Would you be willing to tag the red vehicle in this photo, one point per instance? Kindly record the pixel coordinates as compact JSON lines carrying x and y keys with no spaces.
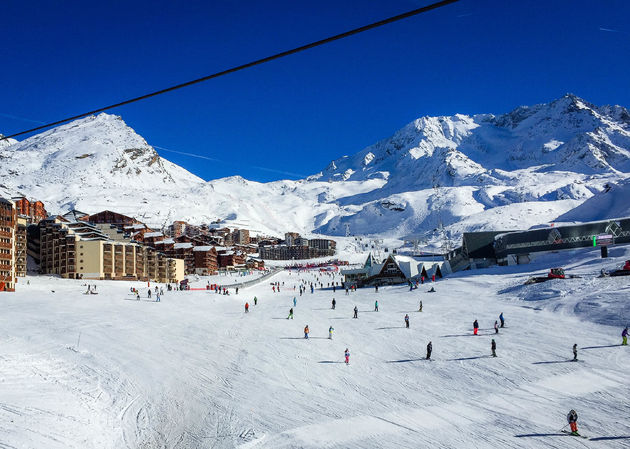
{"x":556,"y":273}
{"x":623,"y":271}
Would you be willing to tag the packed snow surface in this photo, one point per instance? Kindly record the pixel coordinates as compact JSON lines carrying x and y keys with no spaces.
{"x":195,"y":371}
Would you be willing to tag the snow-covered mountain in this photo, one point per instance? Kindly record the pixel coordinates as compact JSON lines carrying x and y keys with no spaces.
{"x":511,"y":171}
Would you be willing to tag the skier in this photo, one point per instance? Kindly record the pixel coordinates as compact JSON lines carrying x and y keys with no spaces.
{"x":237,"y":290}
{"x":575,"y":352}
{"x":330,"y":332}
{"x":255,"y":300}
{"x":356,"y":312}
{"x":347,"y":355}
{"x":429,"y":350}
{"x":572,"y":418}
{"x":407,"y":321}
{"x":334,"y":303}
{"x":475,"y":327}
{"x":420,"y":308}
{"x":246,"y":307}
{"x":502,"y":320}
{"x":376,"y":306}
{"x":347,"y":291}
{"x":137,"y":295}
{"x":493,"y":346}
{"x":624,"y":337}
{"x":432,"y":290}
{"x":306,"y":331}
{"x":376,"y":289}
{"x":496,"y":327}
{"x":294,"y":301}
{"x":290,"y":313}
{"x":157,"y":297}
{"x":149,"y":293}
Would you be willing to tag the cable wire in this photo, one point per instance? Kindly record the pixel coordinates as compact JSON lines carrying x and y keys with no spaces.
{"x":327,"y":40}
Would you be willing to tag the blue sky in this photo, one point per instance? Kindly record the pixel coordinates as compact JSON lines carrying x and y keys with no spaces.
{"x":291,"y":117}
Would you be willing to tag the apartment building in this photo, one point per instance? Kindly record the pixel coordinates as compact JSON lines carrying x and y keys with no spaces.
{"x":80,"y":250}
{"x":231,"y":259}
{"x":290,"y":237}
{"x":300,"y":249}
{"x":8,"y":224}
{"x":178,"y":228}
{"x":111,"y":218}
{"x":240,"y":237}
{"x":20,"y":245}
{"x":34,"y":211}
{"x":206,"y":261}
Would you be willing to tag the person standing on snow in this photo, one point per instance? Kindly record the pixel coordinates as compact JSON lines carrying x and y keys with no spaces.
{"x":255,"y":300}
{"x":347,"y":356}
{"x":429,"y":350}
{"x":624,"y":337}
{"x":294,"y":301}
{"x":356,"y":312}
{"x":407,"y":321}
{"x":376,"y":306}
{"x":572,"y":418}
{"x":420,"y":308}
{"x":493,"y":347}
{"x":334,"y":303}
{"x":306,"y":331}
{"x":330,"y":332}
{"x":246,"y":307}
{"x":575,"y":352}
{"x":475,"y":327}
{"x":290,"y":313}
{"x":502,"y":320}
{"x":496,"y":327}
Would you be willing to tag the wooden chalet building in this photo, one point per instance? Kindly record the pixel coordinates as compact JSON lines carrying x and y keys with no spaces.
{"x":206,"y":260}
{"x":231,"y":259}
{"x":109,"y":217}
{"x":394,"y":270}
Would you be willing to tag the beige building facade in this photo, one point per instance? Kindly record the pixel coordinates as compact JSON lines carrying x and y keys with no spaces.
{"x":80,"y":250}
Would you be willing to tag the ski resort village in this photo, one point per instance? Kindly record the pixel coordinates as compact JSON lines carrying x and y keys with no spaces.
{"x":330,"y":225}
{"x":326,"y":312}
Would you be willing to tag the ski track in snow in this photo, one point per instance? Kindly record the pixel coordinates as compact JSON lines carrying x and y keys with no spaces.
{"x":194,"y":371}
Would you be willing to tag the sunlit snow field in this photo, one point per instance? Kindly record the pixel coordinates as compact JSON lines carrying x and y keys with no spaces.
{"x":195,"y":371}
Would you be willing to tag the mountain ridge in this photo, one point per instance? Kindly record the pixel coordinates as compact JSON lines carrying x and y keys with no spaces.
{"x":525,"y":167}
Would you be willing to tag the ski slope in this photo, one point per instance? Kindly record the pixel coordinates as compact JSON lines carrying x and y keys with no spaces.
{"x":195,"y":371}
